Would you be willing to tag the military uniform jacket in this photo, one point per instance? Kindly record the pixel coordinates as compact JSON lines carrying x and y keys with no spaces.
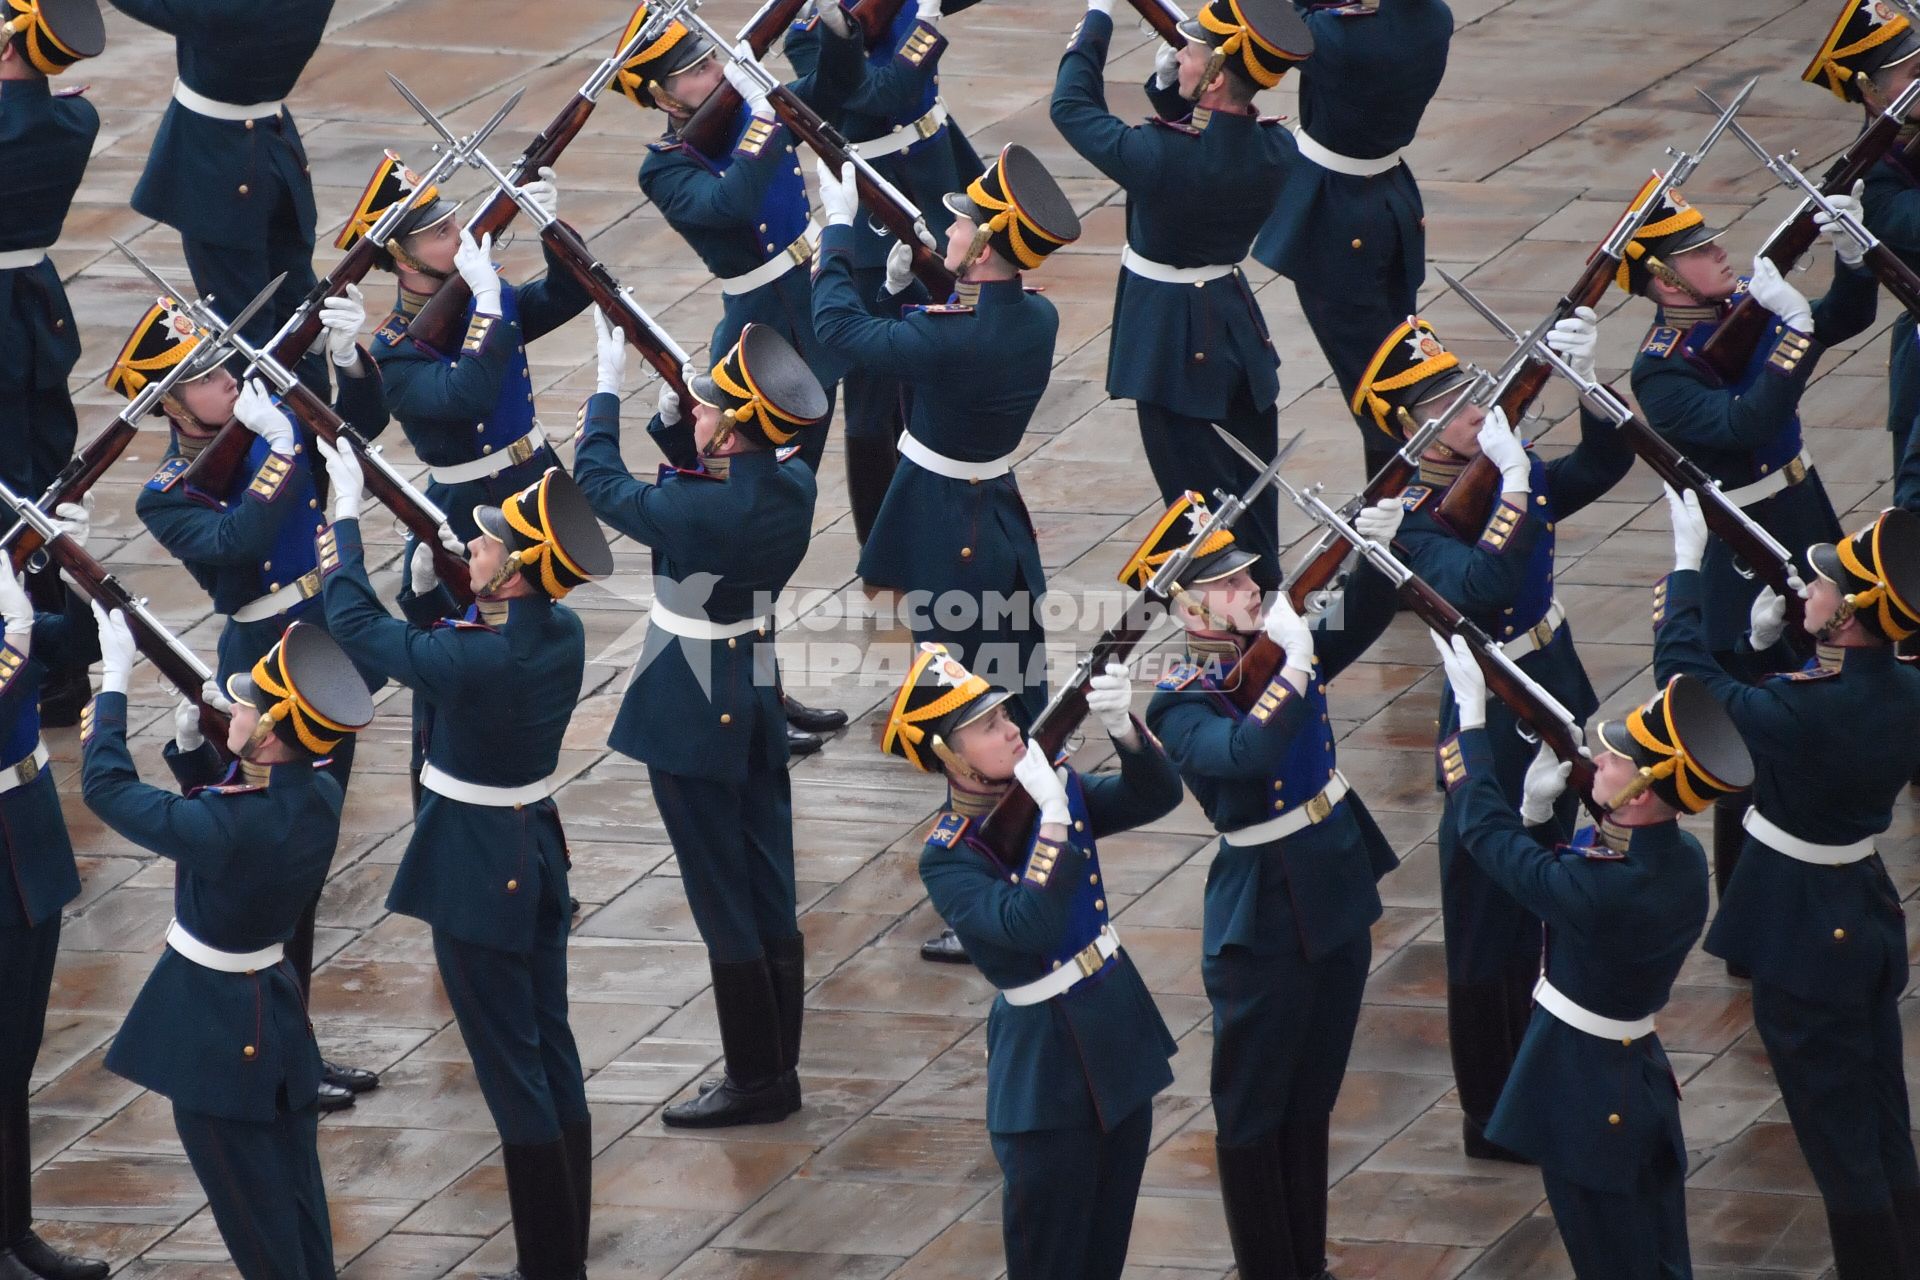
{"x":1832,"y":752}
{"x":38,"y":876}
{"x":1315,"y":889}
{"x":45,"y":139}
{"x":1619,"y":925}
{"x":723,"y":550}
{"x":1362,"y":93}
{"x":216,"y":179}
{"x":1890,"y":203}
{"x":1197,"y":193}
{"x":1095,"y":1055}
{"x":248,"y":858}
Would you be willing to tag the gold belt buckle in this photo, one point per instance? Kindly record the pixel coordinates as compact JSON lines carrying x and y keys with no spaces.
{"x":522,"y":449}
{"x":1795,"y":472}
{"x":1542,"y":633}
{"x":926,"y":126}
{"x":308,"y":584}
{"x":1089,"y":959}
{"x":1319,"y":807}
{"x":800,"y":250}
{"x":27,"y":770}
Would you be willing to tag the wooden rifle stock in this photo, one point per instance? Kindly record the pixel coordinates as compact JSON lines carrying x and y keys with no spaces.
{"x":71,"y":485}
{"x":712,"y":127}
{"x":1164,"y":17}
{"x":1316,"y":573}
{"x":645,"y":337}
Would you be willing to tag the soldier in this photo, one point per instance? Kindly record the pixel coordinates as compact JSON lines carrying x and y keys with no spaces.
{"x":1592,"y":1099}
{"x":1189,"y":345}
{"x":1076,"y":1049}
{"x":45,"y":139}
{"x":251,"y":547}
{"x":37,"y":879}
{"x":1501,"y":576}
{"x":703,"y":710}
{"x":1349,"y":229}
{"x":220,"y":1028}
{"x":228,"y":170}
{"x":486,"y":868}
{"x":1810,"y":910}
{"x":1291,"y":891}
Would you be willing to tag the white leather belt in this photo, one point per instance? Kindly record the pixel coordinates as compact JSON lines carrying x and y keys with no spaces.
{"x":1555,"y":1002}
{"x":1769,"y":833}
{"x":797,"y":254}
{"x":1086,"y":962}
{"x":680,"y":624}
{"x":1148,"y":269}
{"x":904,"y":136}
{"x":1313,"y":811}
{"x":15,"y":259}
{"x":224,"y":961}
{"x":1538,"y":636}
{"x":201,"y":105}
{"x":952,"y":468}
{"x":1352,"y":166}
{"x":493,"y":463}
{"x":274,"y":603}
{"x":1785,"y":478}
{"x":442,"y":783}
{"x":25,"y":770}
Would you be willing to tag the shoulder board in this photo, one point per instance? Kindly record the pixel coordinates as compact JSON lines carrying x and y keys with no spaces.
{"x":168,"y":475}
{"x":1814,"y":673}
{"x":786,"y":452}
{"x":666,"y":146}
{"x":1660,"y":340}
{"x":1180,"y":677}
{"x":1415,"y":496}
{"x":1599,"y":853}
{"x":460,"y":624}
{"x":72,"y":91}
{"x":227,"y":789}
{"x":393,"y":329}
{"x":947,"y":830}
{"x":943,"y":309}
{"x":1177,"y":126}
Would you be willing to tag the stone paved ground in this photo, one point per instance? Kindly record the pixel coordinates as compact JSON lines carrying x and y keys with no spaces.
{"x":1551,"y":112}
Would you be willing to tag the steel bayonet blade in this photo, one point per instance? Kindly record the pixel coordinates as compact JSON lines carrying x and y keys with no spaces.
{"x":481,"y":134}
{"x":425,"y":113}
{"x":1487,"y":313}
{"x":1254,"y":460}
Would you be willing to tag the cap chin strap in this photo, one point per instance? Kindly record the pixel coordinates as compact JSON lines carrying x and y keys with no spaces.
{"x":413,"y":264}
{"x":503,"y":575}
{"x":1198,"y":605}
{"x":956,"y":766}
{"x":262,"y":731}
{"x":1659,"y":270}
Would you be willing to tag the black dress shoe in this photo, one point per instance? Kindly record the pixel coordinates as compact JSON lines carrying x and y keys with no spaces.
{"x":40,"y":1259}
{"x":802,"y":743}
{"x":573,"y":906}
{"x":812,"y":719}
{"x":352,"y":1079}
{"x":945,"y":949}
{"x":731,"y":1104}
{"x":333,"y":1098}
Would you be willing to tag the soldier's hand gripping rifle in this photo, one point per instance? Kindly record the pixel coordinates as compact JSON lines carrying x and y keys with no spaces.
{"x":181,"y":667}
{"x":711,"y":129}
{"x":647,"y":337}
{"x":22,"y":541}
{"x":414,"y":509}
{"x":1009,"y":826}
{"x":1469,"y":501}
{"x":443,"y":320}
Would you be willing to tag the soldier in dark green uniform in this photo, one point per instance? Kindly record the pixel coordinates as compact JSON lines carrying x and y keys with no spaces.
{"x":1810,"y":911}
{"x":220,"y":1028}
{"x":1189,"y":345}
{"x":487,"y":865}
{"x":703,"y":710}
{"x":1076,"y":1049}
{"x":1592,"y":1098}
{"x":1291,"y":891}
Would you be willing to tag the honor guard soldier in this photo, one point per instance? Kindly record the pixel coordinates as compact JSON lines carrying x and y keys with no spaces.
{"x":37,"y":879}
{"x":1189,"y":345}
{"x":1291,"y":892}
{"x":228,"y":170}
{"x":953,"y":527}
{"x":487,"y":866}
{"x":1810,"y":911}
{"x":251,"y":548}
{"x":1076,"y":1049}
{"x":220,"y":1028}
{"x":1592,"y":1098}
{"x":1501,"y":576}
{"x":1349,"y":229}
{"x":703,"y":711}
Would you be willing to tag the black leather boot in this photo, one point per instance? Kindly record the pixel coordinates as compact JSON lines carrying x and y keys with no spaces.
{"x":352,"y":1079}
{"x":1254,"y":1196}
{"x":802,"y":743}
{"x":811,"y":719}
{"x":1729,"y":837}
{"x":1302,"y":1151}
{"x":787,"y":961}
{"x":22,"y":1253}
{"x":870,"y":465}
{"x":578,"y":1140}
{"x":751,"y":1092}
{"x":1479,"y":1041}
{"x":945,"y":947}
{"x":546,"y":1231}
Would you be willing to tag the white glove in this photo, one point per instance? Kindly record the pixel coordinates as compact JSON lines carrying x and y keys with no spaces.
{"x":1381,"y":521}
{"x":1546,"y":781}
{"x":745,"y":83}
{"x":1500,"y":444}
{"x":344,"y":477}
{"x":1100,"y":6}
{"x":1776,"y":295}
{"x":543,"y":192}
{"x":1110,"y":697}
{"x":257,"y":413}
{"x":668,"y":406}
{"x":1689,"y":528}
{"x":1286,"y":628}
{"x":75,"y":519}
{"x":1576,"y":338}
{"x":421,"y":575}
{"x":928,"y":11}
{"x":1766,"y":619}
{"x":1035,"y":774}
{"x":117,"y":650}
{"x":342,"y":317}
{"x":1851,"y":251}
{"x":835,"y":18}
{"x":186,"y":726}
{"x":899,"y":267}
{"x":1166,"y":66}
{"x":839,"y":196}
{"x":15,"y":607}
{"x":474,"y":262}
{"x":1464,"y":677}
{"x":610,"y":354}
{"x":451,"y":541}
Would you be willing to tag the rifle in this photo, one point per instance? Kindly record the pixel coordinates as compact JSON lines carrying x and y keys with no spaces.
{"x":213,"y":469}
{"x":711,"y":129}
{"x":1753,"y":546}
{"x":23,"y":541}
{"x":875,"y":17}
{"x":1009,"y":825}
{"x":1163,"y":17}
{"x":441,"y":321}
{"x":646,"y":336}
{"x":415,"y":510}
{"x":1468,"y":502}
{"x":182,"y":669}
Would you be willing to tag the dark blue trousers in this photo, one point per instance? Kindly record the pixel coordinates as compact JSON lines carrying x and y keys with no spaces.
{"x":1185,"y":453}
{"x":234,"y":271}
{"x":1641,"y":1235}
{"x":263,"y":1183}
{"x":733,"y":842}
{"x":26,"y":960}
{"x":1067,"y":1210}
